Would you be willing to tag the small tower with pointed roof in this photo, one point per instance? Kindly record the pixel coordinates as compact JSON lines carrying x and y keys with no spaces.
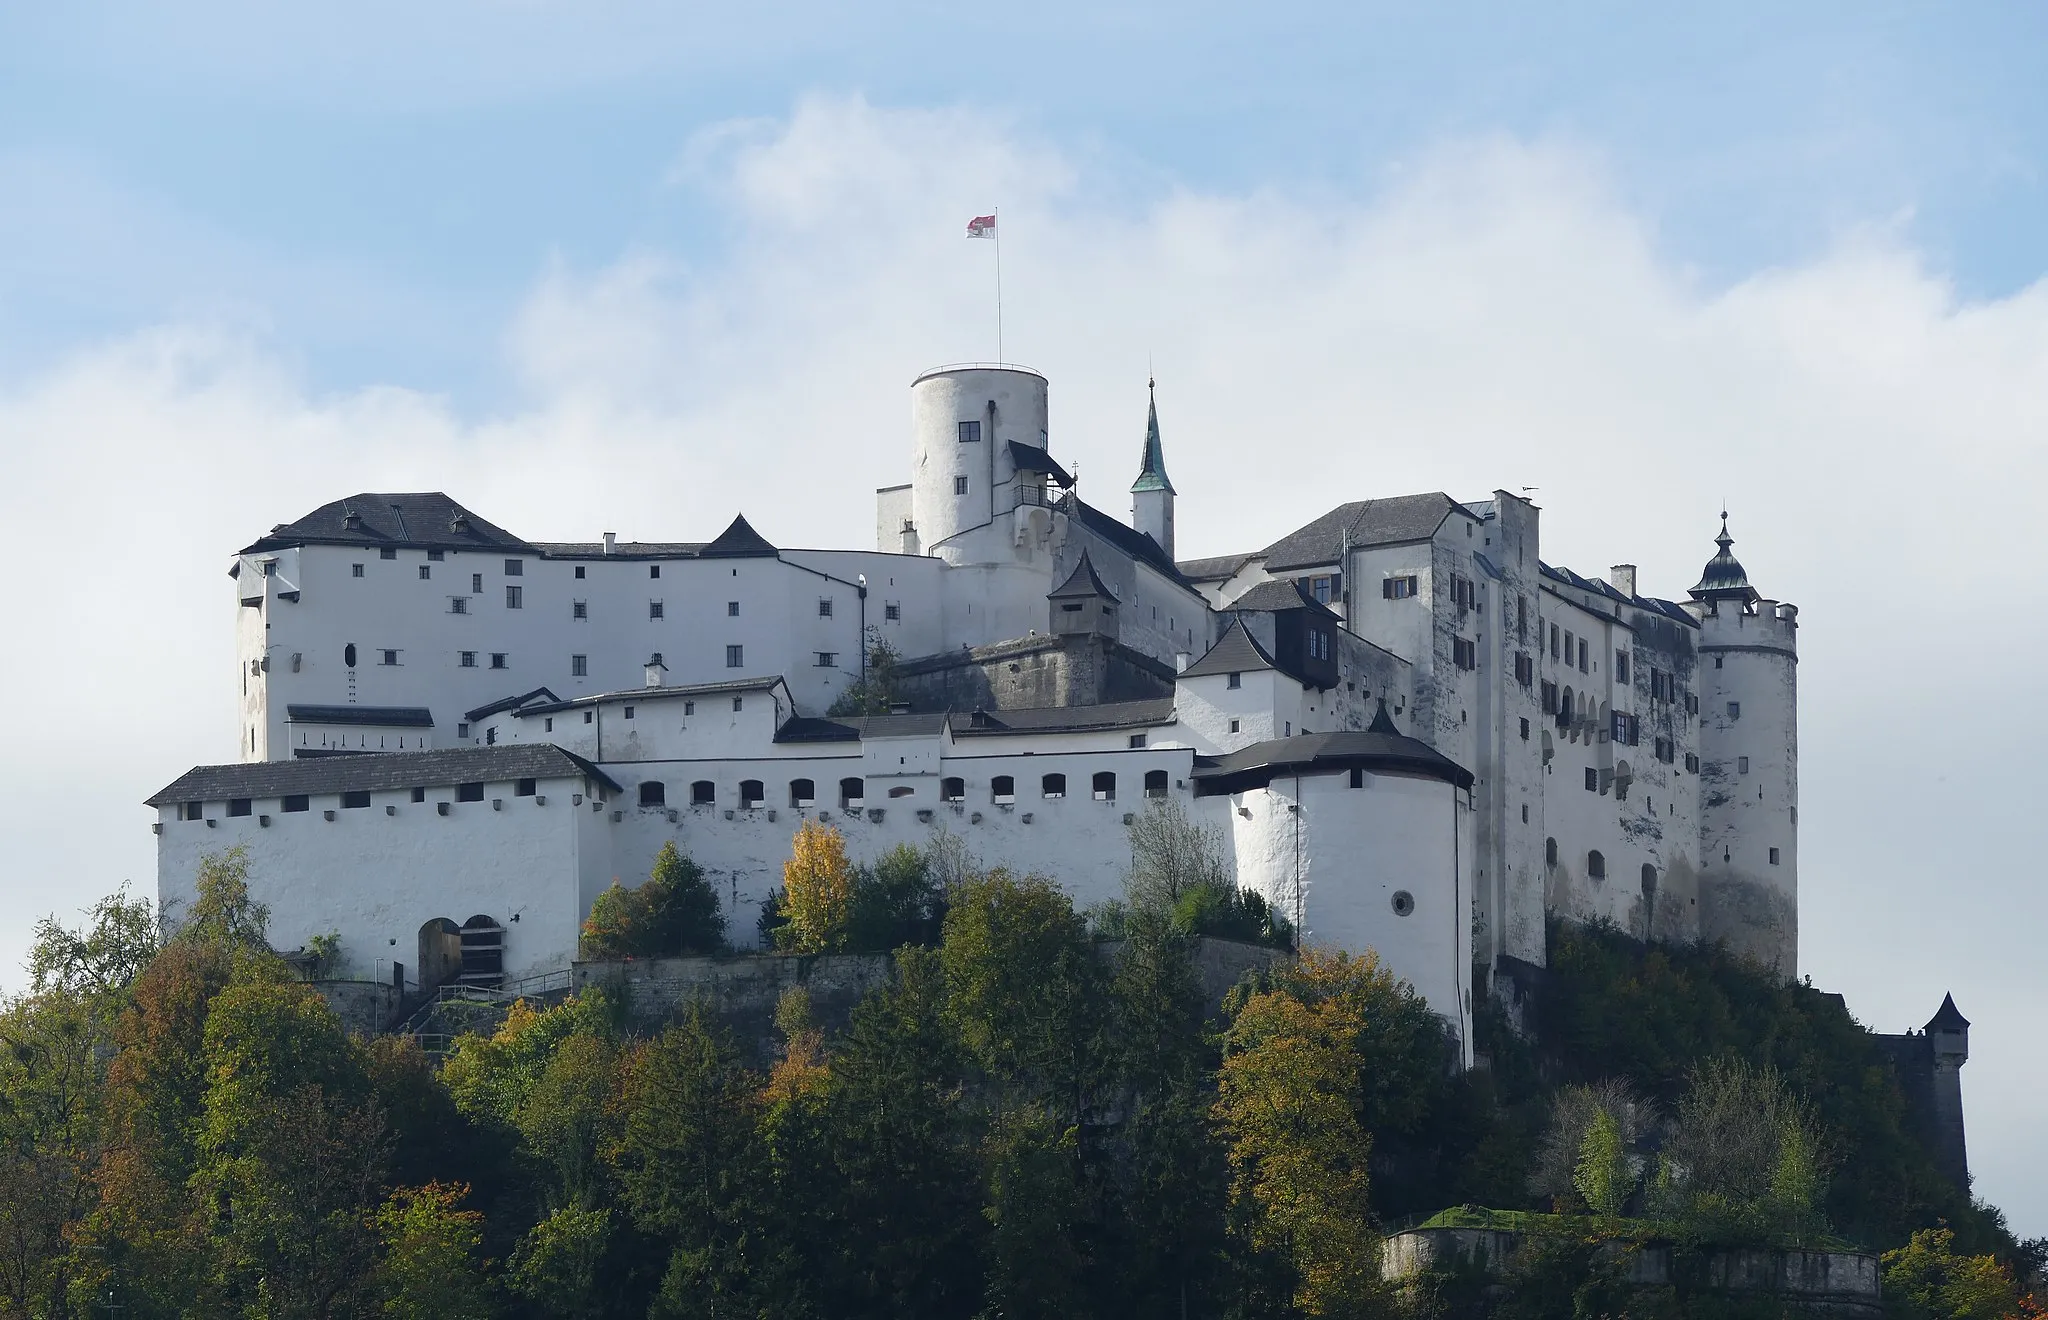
{"x":1948,"y":1042}
{"x":1746,"y":676}
{"x":1152,"y":492}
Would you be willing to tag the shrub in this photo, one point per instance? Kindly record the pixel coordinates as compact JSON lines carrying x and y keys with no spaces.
{"x":675,"y":911}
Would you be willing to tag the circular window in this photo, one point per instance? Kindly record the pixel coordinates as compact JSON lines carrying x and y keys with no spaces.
{"x":1404,"y":903}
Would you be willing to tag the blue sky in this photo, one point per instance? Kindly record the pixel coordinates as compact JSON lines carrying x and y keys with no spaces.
{"x":255,"y":257}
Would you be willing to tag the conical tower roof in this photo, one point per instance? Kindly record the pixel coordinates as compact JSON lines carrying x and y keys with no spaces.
{"x":1152,"y":464}
{"x":1724,"y":577}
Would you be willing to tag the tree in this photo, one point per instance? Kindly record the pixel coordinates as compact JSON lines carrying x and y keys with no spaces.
{"x":1745,"y":1156}
{"x":1172,"y":857}
{"x":896,"y":901}
{"x":817,"y":888}
{"x":1927,"y":1280}
{"x":1573,"y":1111}
{"x":1021,"y":985}
{"x":557,"y":1264}
{"x":431,"y":1266}
{"x":674,"y":911}
{"x":876,"y":691}
{"x":1603,"y":1177}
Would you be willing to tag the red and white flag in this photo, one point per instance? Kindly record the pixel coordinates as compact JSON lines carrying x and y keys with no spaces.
{"x":982,"y":226}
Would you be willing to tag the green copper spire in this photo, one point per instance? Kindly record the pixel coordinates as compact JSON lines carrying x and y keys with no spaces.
{"x":1152,"y":471}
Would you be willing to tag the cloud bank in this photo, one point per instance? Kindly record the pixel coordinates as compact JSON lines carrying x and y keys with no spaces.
{"x":1491,"y":315}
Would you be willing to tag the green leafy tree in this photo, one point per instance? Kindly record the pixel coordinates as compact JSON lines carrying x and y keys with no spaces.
{"x":896,"y":901}
{"x":879,"y":686}
{"x":1927,"y":1279}
{"x":674,"y":911}
{"x":558,"y":1264}
{"x":1603,"y":1177}
{"x":431,"y":1265}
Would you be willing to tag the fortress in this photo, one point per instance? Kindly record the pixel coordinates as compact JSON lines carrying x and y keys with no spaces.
{"x":1411,"y":732}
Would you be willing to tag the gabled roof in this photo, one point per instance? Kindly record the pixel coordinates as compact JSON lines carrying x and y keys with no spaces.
{"x":739,"y":541}
{"x":620,"y":549}
{"x":853,"y":728}
{"x":1083,"y":583}
{"x":1065,"y":719}
{"x":1261,"y":763}
{"x":377,"y":771}
{"x":1134,"y":543}
{"x":1362,"y":523}
{"x":539,"y":695}
{"x":1237,"y":652}
{"x":655,"y":694}
{"x":1030,"y":458}
{"x":382,"y":717}
{"x":1152,"y":462}
{"x":426,"y":520}
{"x":1287,"y":595}
{"x":1216,"y":569}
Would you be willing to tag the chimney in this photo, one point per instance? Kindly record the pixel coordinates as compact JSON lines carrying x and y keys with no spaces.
{"x":1623,"y":576}
{"x":655,"y":670}
{"x":611,"y":543}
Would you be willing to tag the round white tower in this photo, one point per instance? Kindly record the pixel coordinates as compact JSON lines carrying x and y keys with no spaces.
{"x":963,"y":475}
{"x":1749,"y":764}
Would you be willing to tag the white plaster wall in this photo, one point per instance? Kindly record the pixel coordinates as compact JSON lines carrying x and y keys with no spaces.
{"x":964,"y":528}
{"x":374,"y":876}
{"x":892,"y":511}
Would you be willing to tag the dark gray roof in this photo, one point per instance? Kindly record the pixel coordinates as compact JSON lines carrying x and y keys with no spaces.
{"x":1602,"y":587}
{"x":1237,"y":652}
{"x":1948,"y":1017}
{"x":620,"y":549}
{"x":1065,"y":719}
{"x":1083,"y":582}
{"x":852,"y":728}
{"x":1136,"y":544}
{"x":1724,"y":577}
{"x":539,"y":694}
{"x":1361,"y":522}
{"x":1259,"y":764}
{"x":426,"y":520}
{"x":1286,"y":595}
{"x":1030,"y":458}
{"x":656,"y":694}
{"x":382,"y":770}
{"x":738,"y":541}
{"x":383,"y":717}
{"x":1214,"y":569}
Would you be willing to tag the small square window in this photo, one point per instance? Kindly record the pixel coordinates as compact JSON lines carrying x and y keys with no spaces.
{"x":437,"y":555}
{"x":389,"y":657}
{"x":586,"y":717}
{"x":238,"y":806}
{"x":293,"y":802}
{"x":732,"y":609}
{"x":825,"y":608}
{"x":1237,"y":726}
{"x":828,"y":659}
{"x":515,"y":597}
{"x":891,"y":611}
{"x":735,"y":656}
{"x":426,"y":572}
{"x":465,"y":659}
{"x":498,"y":660}
{"x":579,"y":666}
{"x":959,"y":485}
{"x":654,"y":570}
{"x":629,"y":712}
{"x":1741,"y":765}
{"x":1774,"y":857}
{"x":462,"y":730}
{"x":654,"y":609}
{"x":689,"y":709}
{"x":1137,"y":740}
{"x":355,"y":570}
{"x":419,"y":795}
{"x":1592,"y":780}
{"x":1235,"y":680}
{"x":387,"y":553}
{"x":970,"y":433}
{"x":458,"y":604}
{"x":515,"y":567}
{"x":737,"y":702}
{"x":579,"y":572}
{"x":579,"y":609}
{"x":356,"y":800}
{"x":523,"y":787}
{"x":1734,"y":710}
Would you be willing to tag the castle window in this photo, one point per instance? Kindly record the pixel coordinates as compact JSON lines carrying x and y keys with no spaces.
{"x":292,"y":802}
{"x":579,"y":572}
{"x":828,"y":659}
{"x":523,"y":787}
{"x":515,"y":568}
{"x":735,"y":656}
{"x":1692,"y":704}
{"x":802,"y":793}
{"x":1549,"y":697}
{"x":825,"y":607}
{"x":901,"y":791}
{"x":891,"y":611}
{"x":587,"y":716}
{"x":1567,"y":648}
{"x":1104,"y":786}
{"x":629,"y":712}
{"x":1398,"y":588}
{"x":732,"y":609}
{"x":1734,"y":710}
{"x":959,"y":485}
{"x":1717,"y":661}
{"x":348,"y":656}
{"x":737,"y":702}
{"x":238,"y":806}
{"x":753,"y":793}
{"x":192,"y":811}
{"x":515,"y":597}
{"x":387,"y":553}
{"x":498,"y":660}
{"x":426,"y":572}
{"x":654,"y":570}
{"x":1155,"y":783}
{"x":437,"y":555}
{"x":1525,"y":668}
{"x":654,"y":609}
{"x":852,"y":792}
{"x":469,"y":792}
{"x":458,"y":604}
{"x":1137,"y":740}
{"x":1357,"y":776}
{"x":1236,"y":680}
{"x":703,"y":793}
{"x":1742,"y":765}
{"x":1582,"y":656}
{"x":1237,"y":726}
{"x":1319,"y":587}
{"x":653,"y":793}
{"x":1525,"y":728}
{"x":1592,"y":780}
{"x":953,"y":790}
{"x":1053,"y":786}
{"x":355,"y":570}
{"x":465,"y":659}
{"x":970,"y":433}
{"x":1525,"y":813}
{"x":1464,"y":654}
{"x":1596,"y":865}
{"x":579,"y":666}
{"x":1550,"y":852}
{"x":389,"y":657}
{"x":1774,"y":857}
{"x":547,"y":725}
{"x":1666,"y":750}
{"x":1003,"y":790}
{"x":462,"y":729}
{"x":1553,"y":642}
{"x":419,"y":795}
{"x":579,"y":609}
{"x":689,"y":708}
{"x":1521,"y":618}
{"x":1621,"y":666}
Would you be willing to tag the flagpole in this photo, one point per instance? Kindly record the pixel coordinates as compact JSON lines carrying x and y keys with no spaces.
{"x":998,"y":214}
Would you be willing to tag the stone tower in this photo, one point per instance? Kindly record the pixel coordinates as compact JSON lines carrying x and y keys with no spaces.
{"x":1948,"y":1039}
{"x":1749,"y":763}
{"x":1152,"y":492}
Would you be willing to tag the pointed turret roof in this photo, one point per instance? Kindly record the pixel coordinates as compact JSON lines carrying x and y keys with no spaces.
{"x":1236,"y":652}
{"x":1152,"y":465}
{"x":1948,"y":1017}
{"x":739,"y":541}
{"x":1382,"y":722}
{"x":1084,"y":581}
{"x":1723,"y":577}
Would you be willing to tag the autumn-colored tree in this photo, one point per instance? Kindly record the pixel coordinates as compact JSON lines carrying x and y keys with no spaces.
{"x":431,"y":1266}
{"x":1927,"y":1280}
{"x":817,"y":889}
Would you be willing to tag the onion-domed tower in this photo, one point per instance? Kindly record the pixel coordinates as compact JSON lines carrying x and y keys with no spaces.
{"x":1749,"y":763}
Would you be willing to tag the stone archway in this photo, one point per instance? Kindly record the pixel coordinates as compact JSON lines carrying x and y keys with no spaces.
{"x":440,"y":953}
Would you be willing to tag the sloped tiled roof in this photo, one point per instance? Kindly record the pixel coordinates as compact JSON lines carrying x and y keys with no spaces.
{"x":1236,"y":652}
{"x":1214,"y":569}
{"x":1361,"y":523}
{"x":1286,"y":595}
{"x":620,"y":549}
{"x":1134,"y":543}
{"x":426,"y":520}
{"x":377,"y":771}
{"x":1948,"y":1017}
{"x":1083,"y":582}
{"x":739,"y":541}
{"x":1262,"y":762}
{"x":382,"y":717}
{"x":1030,"y":458}
{"x":1065,"y":719}
{"x":654,"y":694}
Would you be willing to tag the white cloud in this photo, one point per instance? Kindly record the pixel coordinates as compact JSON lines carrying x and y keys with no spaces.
{"x":1490,"y":316}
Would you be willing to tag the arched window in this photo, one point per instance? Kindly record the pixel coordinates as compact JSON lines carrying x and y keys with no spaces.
{"x":752,"y":792}
{"x":483,"y":951}
{"x":901,"y":791}
{"x":1596,"y":865}
{"x":653,"y":793}
{"x":348,"y":656}
{"x":1550,"y":852}
{"x":1003,"y":789}
{"x":852,"y":792}
{"x":1564,"y":707}
{"x":1649,"y":881}
{"x":1104,"y":786}
{"x":703,"y":793}
{"x":802,"y":792}
{"x":953,"y":790}
{"x":1053,"y":786}
{"x":1155,"y":783}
